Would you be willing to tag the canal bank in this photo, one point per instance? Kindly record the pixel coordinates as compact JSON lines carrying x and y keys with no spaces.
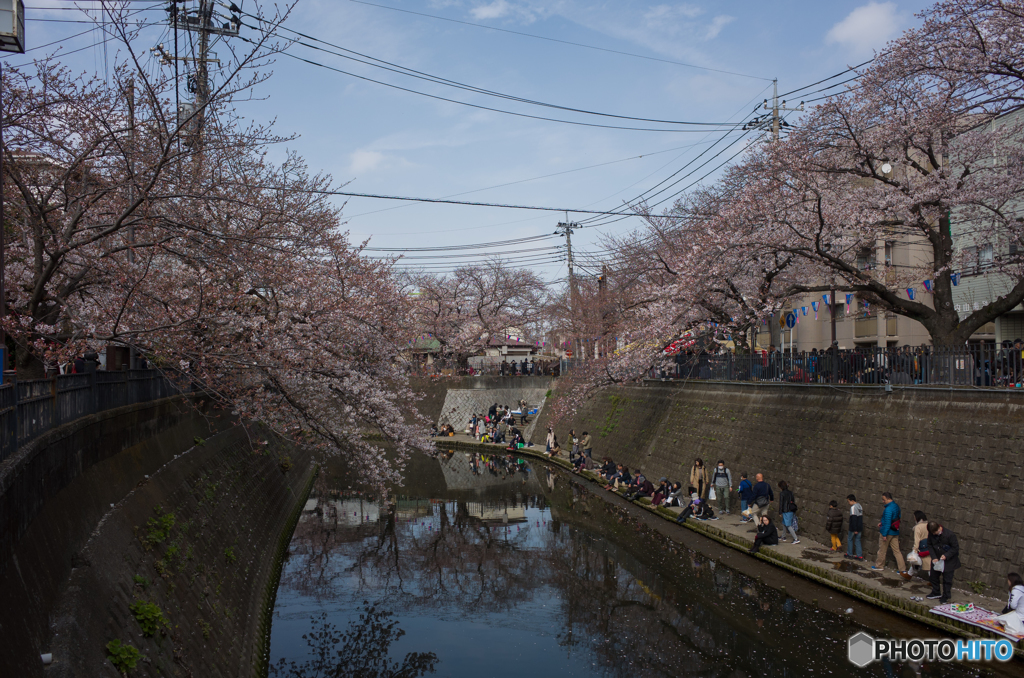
{"x":809,"y":560}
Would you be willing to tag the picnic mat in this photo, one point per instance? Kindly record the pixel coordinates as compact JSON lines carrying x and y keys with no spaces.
{"x":975,"y":616}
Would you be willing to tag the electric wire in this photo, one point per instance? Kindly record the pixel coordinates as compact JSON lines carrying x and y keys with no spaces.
{"x":564,"y":42}
{"x":421,"y":75}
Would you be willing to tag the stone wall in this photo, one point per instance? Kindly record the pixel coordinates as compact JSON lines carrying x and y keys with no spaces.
{"x":200,"y":540}
{"x":75,"y":511}
{"x":956,"y":455}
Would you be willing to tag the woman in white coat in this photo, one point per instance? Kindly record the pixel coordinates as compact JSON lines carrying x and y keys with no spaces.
{"x":1013,"y":614}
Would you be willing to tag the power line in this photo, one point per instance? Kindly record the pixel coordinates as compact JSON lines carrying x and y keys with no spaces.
{"x":477,"y":106}
{"x":499,"y":243}
{"x":564,"y":42}
{"x":413,"y":73}
{"x":446,"y":256}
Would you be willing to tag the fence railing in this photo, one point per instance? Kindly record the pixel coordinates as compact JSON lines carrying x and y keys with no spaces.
{"x":30,"y":408}
{"x":981,"y":365}
{"x":973,"y":366}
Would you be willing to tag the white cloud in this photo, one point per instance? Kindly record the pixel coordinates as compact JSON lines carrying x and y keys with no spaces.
{"x":663,"y":12}
{"x":717,"y":24}
{"x":502,"y":9}
{"x":867,"y":28}
{"x":363,"y":161}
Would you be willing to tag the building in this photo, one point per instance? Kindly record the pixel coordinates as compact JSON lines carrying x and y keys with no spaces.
{"x":981,"y":280}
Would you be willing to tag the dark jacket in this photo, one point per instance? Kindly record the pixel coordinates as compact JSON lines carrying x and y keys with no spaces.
{"x":645,"y":489}
{"x":746,"y":491}
{"x":768,"y":534}
{"x":834,"y":521}
{"x":945,"y":544}
{"x":762,"y":489}
{"x":856,"y":518}
{"x":787,"y":501}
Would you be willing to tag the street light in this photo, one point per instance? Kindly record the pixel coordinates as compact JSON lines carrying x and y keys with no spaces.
{"x":12,"y":39}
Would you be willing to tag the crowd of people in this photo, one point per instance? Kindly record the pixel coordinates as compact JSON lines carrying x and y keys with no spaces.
{"x":497,"y":426}
{"x":934,"y":553}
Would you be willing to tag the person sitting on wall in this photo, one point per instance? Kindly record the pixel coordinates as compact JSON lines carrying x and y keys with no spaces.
{"x":622,"y":480}
{"x":433,"y":430}
{"x":691,"y":505}
{"x":607,"y":469}
{"x":643,"y":488}
{"x":676,"y":496}
{"x":704,"y":511}
{"x":661,"y":492}
{"x":767,"y":534}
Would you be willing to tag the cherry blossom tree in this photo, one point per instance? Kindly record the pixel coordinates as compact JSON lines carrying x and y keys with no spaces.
{"x":462,"y":310}
{"x":130,"y":227}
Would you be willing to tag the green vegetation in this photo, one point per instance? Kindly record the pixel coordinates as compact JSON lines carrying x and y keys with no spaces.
{"x":229,"y":554}
{"x":199,"y":441}
{"x":158,"y":528}
{"x":124,"y":657}
{"x":205,"y":628}
{"x":978,"y":586}
{"x":140,"y":581}
{"x":548,"y":394}
{"x":285,"y":464}
{"x":150,"y":617}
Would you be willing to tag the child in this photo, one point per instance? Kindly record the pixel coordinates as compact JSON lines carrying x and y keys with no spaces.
{"x":834,"y":524}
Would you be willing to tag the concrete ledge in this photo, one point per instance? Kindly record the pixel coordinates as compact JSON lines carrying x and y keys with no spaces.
{"x":918,"y":612}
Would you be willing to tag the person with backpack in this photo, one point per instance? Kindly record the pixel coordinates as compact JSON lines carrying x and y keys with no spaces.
{"x":721,"y":480}
{"x":920,"y":546}
{"x":889,"y":536}
{"x":787,"y":507}
{"x":834,"y":524}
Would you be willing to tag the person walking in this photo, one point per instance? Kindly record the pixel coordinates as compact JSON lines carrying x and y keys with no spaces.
{"x":945,"y":552}
{"x":834,"y":524}
{"x":855,"y":526}
{"x":1012,"y":616}
{"x":699,"y":477}
{"x":787,"y":507}
{"x":767,"y":534}
{"x":889,"y":536}
{"x":746,"y":492}
{"x":549,"y":441}
{"x":721,"y":480}
{"x":921,"y":543}
{"x":762,"y":495}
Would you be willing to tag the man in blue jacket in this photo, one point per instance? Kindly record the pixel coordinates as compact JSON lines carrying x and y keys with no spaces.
{"x":889,"y":536}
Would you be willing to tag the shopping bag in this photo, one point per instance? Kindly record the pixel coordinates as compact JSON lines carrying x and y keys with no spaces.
{"x":711,"y":494}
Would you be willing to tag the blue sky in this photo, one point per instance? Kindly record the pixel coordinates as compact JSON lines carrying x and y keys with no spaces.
{"x":385,"y":141}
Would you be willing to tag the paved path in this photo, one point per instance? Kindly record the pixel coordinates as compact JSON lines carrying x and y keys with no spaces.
{"x":811,"y":559}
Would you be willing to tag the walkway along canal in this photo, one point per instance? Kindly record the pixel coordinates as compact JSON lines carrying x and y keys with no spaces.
{"x":497,"y":565}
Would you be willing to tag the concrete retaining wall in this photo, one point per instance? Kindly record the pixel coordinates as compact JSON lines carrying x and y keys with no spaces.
{"x":74,"y":513}
{"x":956,"y":455}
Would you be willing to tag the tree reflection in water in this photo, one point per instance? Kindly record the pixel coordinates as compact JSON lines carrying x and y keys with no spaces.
{"x":551,"y":559}
{"x":360,"y":652}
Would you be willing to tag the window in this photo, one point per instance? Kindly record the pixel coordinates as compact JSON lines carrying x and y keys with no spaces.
{"x":1014,"y":245}
{"x":970,"y":259}
{"x":985,"y":256}
{"x":888,"y":253}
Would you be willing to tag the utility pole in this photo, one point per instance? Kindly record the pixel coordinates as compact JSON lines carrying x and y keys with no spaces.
{"x":201,"y":22}
{"x":835,"y":344}
{"x":566,"y":228}
{"x":773,"y":121}
{"x":602,"y":289}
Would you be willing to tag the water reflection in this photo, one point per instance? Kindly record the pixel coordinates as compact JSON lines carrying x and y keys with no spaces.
{"x":510,"y":571}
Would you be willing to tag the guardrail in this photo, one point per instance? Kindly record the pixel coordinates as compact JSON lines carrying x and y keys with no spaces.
{"x":973,"y":366}
{"x":30,"y":408}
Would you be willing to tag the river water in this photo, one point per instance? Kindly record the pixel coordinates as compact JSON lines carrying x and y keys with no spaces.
{"x":497,"y":567}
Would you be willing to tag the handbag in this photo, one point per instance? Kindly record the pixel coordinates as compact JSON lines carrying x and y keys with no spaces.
{"x":711,"y":494}
{"x":761,"y":500}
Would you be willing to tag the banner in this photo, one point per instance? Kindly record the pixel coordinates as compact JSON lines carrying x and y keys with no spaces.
{"x":814,"y":305}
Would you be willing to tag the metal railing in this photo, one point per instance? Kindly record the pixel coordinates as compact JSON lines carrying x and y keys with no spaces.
{"x":972,"y":366}
{"x":30,"y":408}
